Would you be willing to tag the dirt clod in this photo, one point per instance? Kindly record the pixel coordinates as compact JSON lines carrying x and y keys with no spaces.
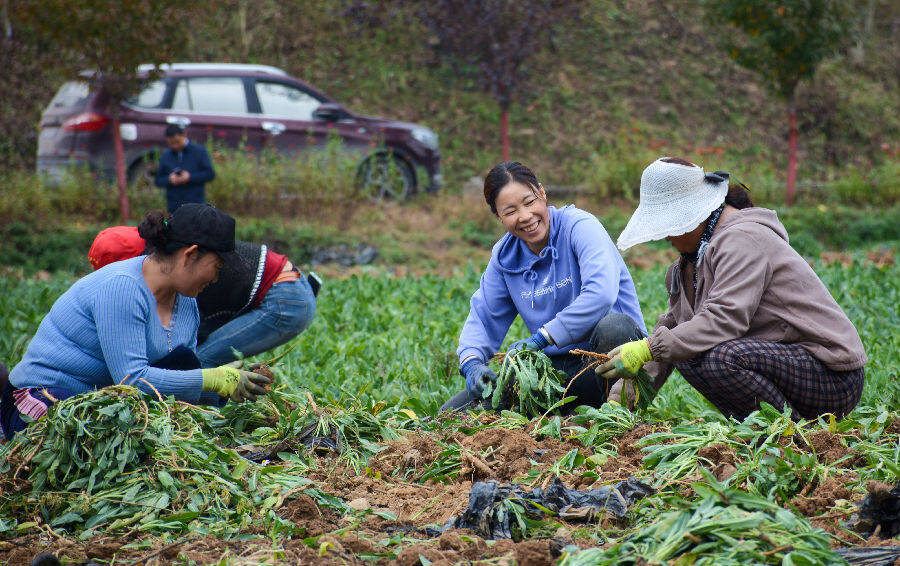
{"x":829,"y":448}
{"x":533,"y":553}
{"x":823,"y":496}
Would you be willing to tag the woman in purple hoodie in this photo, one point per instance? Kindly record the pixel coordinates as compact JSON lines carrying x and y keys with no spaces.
{"x":748,"y":321}
{"x":558,"y":269}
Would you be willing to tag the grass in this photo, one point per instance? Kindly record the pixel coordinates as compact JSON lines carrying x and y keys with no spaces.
{"x":396,"y":337}
{"x":378,"y":359}
{"x":297,"y":207}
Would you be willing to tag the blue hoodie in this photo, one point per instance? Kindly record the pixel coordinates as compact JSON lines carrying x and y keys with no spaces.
{"x":577,"y":279}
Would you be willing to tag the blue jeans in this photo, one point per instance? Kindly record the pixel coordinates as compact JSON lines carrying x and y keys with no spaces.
{"x":285,"y":311}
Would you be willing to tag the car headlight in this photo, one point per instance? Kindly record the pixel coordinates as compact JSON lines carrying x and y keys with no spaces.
{"x":426,"y":137}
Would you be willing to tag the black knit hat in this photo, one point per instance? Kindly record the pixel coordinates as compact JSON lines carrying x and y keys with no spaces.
{"x":204,"y":225}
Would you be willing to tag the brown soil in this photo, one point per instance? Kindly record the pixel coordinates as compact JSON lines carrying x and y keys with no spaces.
{"x":303,"y":511}
{"x":877,"y":541}
{"x":411,"y":503}
{"x":831,"y":524}
{"x":534,"y":553}
{"x":200,"y":550}
{"x":881,"y":257}
{"x":406,"y":457}
{"x":450,"y":549}
{"x":336,"y":548}
{"x":829,"y":448}
{"x":630,"y":458}
{"x":266,"y":371}
{"x":821,"y":498}
{"x":722,"y":460}
{"x":494,"y":453}
{"x":509,"y":454}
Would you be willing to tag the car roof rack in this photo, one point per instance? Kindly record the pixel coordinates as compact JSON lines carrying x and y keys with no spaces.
{"x":167,"y":67}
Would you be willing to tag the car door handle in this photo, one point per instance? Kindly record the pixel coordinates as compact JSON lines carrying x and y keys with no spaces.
{"x":274,"y":128}
{"x":182,"y":121}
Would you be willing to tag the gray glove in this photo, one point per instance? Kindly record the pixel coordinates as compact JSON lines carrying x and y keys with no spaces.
{"x":250,"y":386}
{"x":238,"y":364}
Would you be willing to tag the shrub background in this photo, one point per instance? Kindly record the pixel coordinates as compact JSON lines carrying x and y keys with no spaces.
{"x":628,"y":82}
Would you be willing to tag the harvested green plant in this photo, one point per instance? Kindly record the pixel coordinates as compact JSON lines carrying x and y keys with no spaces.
{"x":528,"y":379}
{"x":642,"y":385}
{"x":288,"y":423}
{"x":118,"y":459}
{"x":722,"y":527}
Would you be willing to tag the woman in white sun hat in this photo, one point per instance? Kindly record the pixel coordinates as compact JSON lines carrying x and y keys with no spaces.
{"x":748,"y":319}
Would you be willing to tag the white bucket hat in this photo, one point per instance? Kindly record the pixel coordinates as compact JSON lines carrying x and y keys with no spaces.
{"x":675,"y":199}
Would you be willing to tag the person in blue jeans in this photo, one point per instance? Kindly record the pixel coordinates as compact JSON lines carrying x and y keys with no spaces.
{"x":559,"y":270}
{"x":259,"y":301}
{"x":133,"y":322}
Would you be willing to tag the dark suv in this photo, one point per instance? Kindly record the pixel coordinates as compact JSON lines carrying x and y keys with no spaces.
{"x":254,"y":105}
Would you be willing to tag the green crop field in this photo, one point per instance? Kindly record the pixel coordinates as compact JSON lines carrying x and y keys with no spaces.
{"x":347,"y":461}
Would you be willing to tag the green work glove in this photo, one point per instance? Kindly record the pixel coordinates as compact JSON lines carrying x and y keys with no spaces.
{"x":239,"y":385}
{"x":625,"y":360}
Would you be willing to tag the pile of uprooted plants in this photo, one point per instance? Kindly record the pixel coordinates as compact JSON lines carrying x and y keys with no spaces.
{"x":598,"y":486}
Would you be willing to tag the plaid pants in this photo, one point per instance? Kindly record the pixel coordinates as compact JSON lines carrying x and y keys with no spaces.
{"x":736,"y":376}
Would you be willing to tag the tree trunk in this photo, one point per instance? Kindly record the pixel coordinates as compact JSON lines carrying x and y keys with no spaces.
{"x":504,"y":132}
{"x":124,"y":211}
{"x":7,"y":24}
{"x":792,"y":150}
{"x":242,"y":24}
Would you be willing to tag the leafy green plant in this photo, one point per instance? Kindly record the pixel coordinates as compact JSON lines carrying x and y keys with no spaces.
{"x":527,"y":379}
{"x":358,"y":378}
{"x":722,"y":527}
{"x":117,"y":459}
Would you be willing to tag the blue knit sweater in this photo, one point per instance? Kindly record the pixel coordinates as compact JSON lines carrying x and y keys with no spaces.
{"x":105,"y":330}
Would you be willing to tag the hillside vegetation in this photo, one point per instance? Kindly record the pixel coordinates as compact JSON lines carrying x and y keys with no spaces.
{"x":629,"y":81}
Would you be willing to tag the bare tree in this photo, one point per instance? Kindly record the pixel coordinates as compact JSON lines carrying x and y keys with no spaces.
{"x":113,"y":38}
{"x":784,"y":41}
{"x":494,"y":40}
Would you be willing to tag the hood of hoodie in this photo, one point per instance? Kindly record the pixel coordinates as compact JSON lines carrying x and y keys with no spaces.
{"x":762,"y":216}
{"x":514,"y":256}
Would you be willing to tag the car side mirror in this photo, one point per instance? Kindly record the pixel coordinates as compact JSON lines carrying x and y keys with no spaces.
{"x":329,"y":112}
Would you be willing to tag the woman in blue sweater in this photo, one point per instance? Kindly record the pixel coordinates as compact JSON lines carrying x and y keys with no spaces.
{"x":559,"y":270}
{"x":133,"y":322}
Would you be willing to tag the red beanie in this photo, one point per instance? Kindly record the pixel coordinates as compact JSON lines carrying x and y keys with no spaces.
{"x":115,"y":244}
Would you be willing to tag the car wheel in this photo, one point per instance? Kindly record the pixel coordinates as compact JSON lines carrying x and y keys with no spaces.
{"x":385,"y":176}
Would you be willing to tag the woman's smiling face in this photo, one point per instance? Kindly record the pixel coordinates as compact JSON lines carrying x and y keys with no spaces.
{"x":523,"y":211}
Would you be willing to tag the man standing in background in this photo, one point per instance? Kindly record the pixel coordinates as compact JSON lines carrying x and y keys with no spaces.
{"x":184,"y":169}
